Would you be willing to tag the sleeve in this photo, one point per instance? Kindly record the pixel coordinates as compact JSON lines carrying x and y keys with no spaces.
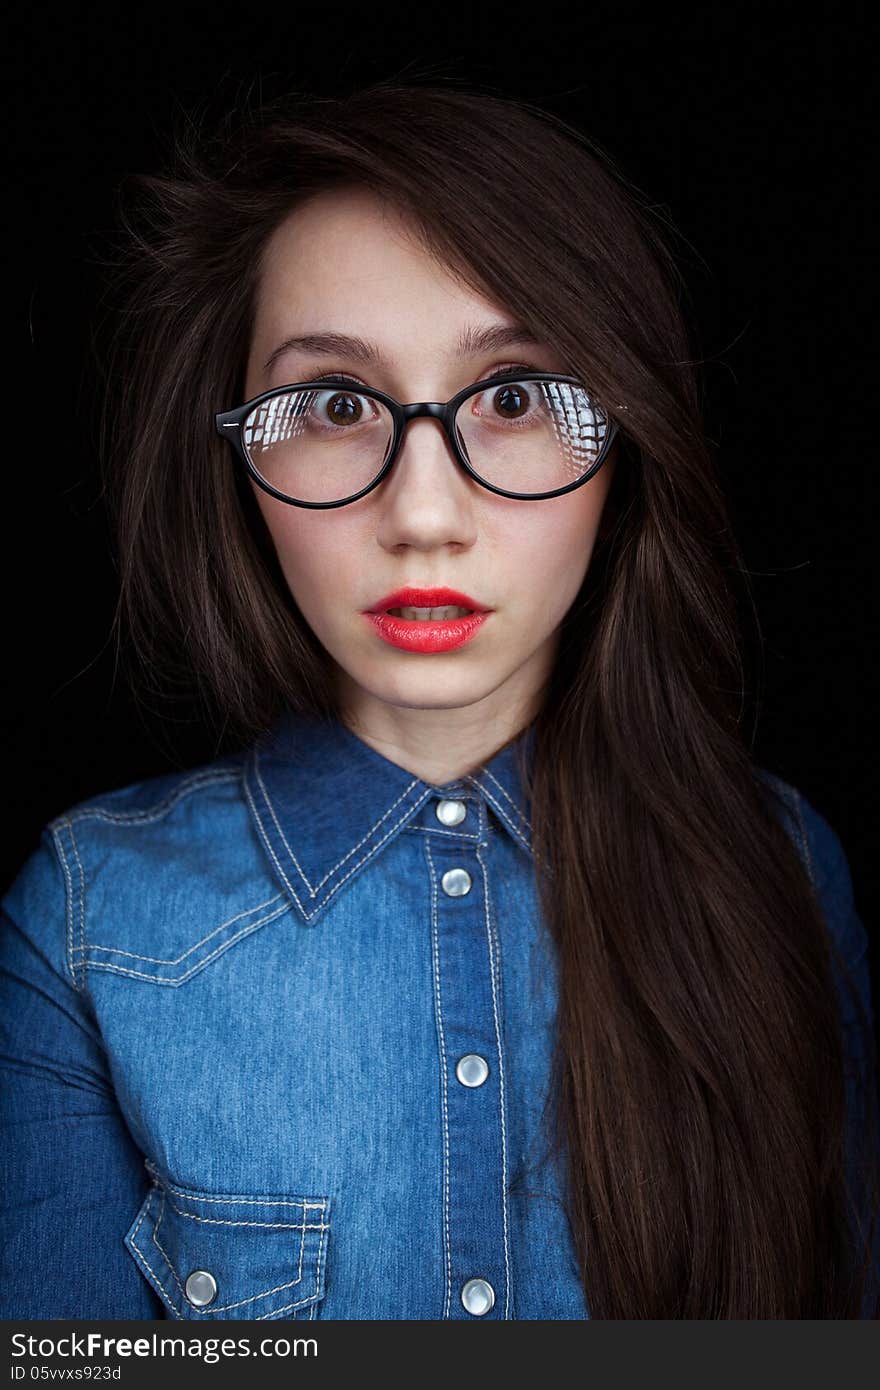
{"x":832,"y":880}
{"x":71,"y":1176}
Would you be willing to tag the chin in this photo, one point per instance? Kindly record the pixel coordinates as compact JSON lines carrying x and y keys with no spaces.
{"x":428,"y":691}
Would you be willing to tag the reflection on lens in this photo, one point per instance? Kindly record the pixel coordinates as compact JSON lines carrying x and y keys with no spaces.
{"x":531,"y":436}
{"x":319,"y":444}
{"x":327,"y":444}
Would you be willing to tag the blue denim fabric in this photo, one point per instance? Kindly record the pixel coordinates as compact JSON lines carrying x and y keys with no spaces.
{"x":232,"y":1005}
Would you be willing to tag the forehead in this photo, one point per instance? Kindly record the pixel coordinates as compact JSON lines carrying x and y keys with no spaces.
{"x":347,"y":251}
{"x":347,"y":284}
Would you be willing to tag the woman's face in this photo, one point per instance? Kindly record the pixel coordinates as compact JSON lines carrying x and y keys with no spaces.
{"x":344,"y":263}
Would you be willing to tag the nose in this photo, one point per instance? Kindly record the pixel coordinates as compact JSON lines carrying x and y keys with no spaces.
{"x":427,"y":499}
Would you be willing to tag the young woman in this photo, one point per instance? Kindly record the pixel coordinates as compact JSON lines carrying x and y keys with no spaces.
{"x":486,"y":976}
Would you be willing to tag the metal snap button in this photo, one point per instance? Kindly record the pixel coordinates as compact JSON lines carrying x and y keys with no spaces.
{"x":478,"y":1296}
{"x":472,"y":1070}
{"x":201,"y":1288}
{"x":456,"y":882}
{"x":450,"y":812}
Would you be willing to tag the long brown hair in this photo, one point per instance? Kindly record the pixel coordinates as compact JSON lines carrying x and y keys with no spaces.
{"x":698,"y":1076}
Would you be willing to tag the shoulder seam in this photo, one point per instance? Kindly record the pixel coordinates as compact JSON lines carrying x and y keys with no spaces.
{"x":55,"y":830}
{"x":191,"y":784}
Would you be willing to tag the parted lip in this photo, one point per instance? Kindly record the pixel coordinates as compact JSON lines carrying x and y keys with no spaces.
{"x":427,"y":598}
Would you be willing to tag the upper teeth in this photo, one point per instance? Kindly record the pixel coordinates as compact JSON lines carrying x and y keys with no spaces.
{"x":422,"y":615}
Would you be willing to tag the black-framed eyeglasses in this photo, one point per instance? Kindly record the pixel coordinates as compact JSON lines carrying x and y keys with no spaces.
{"x":327,"y":442}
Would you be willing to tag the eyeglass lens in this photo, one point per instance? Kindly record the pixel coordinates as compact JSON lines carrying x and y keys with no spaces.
{"x":326,"y":444}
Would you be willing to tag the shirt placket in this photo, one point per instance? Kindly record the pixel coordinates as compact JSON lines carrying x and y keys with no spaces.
{"x":467,"y":989}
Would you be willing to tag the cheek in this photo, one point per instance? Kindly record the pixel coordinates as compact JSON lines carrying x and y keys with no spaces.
{"x":311,"y":552}
{"x":556,"y":554}
{"x":577,"y":534}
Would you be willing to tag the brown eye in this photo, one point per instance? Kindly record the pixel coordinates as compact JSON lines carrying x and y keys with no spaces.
{"x":344,"y":408}
{"x":511,"y":400}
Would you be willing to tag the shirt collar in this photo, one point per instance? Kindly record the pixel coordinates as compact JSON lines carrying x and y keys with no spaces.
{"x":325,"y":803}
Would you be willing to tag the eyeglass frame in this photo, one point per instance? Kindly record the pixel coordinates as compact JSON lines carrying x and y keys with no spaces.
{"x":227,"y":421}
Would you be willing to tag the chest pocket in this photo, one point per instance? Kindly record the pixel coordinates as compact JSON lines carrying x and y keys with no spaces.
{"x":221,"y":1255}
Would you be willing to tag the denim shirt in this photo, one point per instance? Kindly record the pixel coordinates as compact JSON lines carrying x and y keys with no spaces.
{"x":276,"y":1037}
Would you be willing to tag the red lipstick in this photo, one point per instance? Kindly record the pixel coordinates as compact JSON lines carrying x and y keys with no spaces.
{"x":414,"y":635}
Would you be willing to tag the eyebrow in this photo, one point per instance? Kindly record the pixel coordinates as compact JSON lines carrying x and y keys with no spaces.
{"x":471,"y":343}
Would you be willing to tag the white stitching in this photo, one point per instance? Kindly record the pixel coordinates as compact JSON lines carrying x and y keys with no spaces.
{"x":199,"y":965}
{"x":372,"y":831}
{"x":505,"y":817}
{"x":314,"y":891}
{"x":67,"y":822}
{"x":82,"y":885}
{"x":271,"y":851}
{"x":261,"y":1225}
{"x":268,"y":800}
{"x":318,"y":1291}
{"x":435,"y":944}
{"x":56,"y":838}
{"x":494,"y":969}
{"x":82,"y":888}
{"x":454,"y":834}
{"x":319,"y":1203}
{"x":522,"y":815}
{"x":276,"y":1313}
{"x":154,"y":1236}
{"x":82,"y":881}
{"x":208,"y":1312}
{"x":155,"y":812}
{"x":221,"y":1308}
{"x":143,"y":1259}
{"x":375,"y":850}
{"x":159,"y":960}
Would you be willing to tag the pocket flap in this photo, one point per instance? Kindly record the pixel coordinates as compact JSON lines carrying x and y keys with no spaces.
{"x":231,"y":1255}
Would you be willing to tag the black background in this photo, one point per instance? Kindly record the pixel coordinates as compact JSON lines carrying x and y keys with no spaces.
{"x":753,"y":126}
